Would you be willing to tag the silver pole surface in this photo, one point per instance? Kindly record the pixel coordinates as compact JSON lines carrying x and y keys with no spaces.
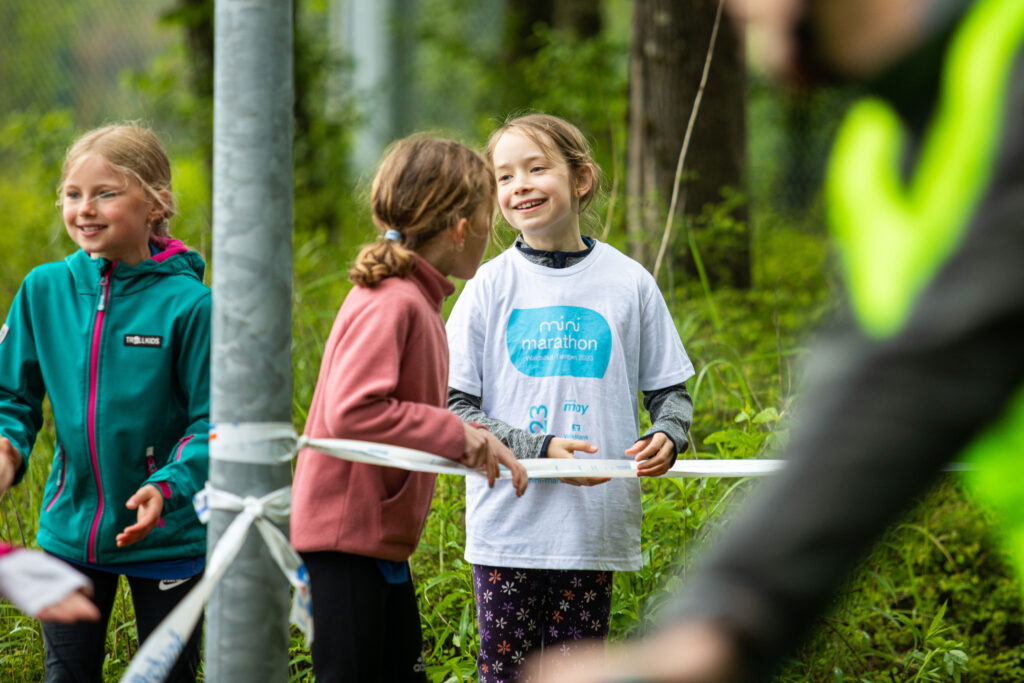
{"x":247,"y":631}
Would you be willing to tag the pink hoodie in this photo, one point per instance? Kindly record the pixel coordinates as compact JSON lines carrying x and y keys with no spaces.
{"x":383,"y":378}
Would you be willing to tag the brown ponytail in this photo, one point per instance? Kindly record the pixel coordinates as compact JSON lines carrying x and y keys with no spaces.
{"x":424,"y":185}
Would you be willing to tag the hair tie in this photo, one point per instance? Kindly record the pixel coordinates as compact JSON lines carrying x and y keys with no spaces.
{"x":393,"y":235}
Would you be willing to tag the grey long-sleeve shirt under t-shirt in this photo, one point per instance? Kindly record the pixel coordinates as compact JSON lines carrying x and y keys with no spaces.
{"x":670,"y":408}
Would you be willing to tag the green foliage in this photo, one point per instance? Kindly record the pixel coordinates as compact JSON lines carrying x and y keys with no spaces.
{"x":58,"y":54}
{"x":934,"y":602}
{"x":323,"y":125}
{"x":591,"y":78}
{"x":32,"y":151}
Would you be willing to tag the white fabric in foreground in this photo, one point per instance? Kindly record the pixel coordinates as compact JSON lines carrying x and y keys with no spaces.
{"x":32,"y":580}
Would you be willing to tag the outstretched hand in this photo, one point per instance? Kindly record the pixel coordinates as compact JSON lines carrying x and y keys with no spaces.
{"x":483,"y":450}
{"x":566,"y":448}
{"x":653,"y":454}
{"x":690,"y":652}
{"x":10,"y":461}
{"x":150,"y":505}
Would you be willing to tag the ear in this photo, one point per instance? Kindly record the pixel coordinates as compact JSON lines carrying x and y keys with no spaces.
{"x":584,"y":180}
{"x":158,"y":209}
{"x":459,"y":232}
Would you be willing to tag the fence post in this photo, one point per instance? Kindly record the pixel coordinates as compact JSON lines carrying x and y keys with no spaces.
{"x":247,"y":630}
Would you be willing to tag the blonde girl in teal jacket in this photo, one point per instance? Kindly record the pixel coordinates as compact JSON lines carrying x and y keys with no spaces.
{"x":117,"y":335}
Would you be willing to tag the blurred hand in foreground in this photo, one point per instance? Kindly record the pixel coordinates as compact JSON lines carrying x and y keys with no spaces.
{"x":687,"y":652}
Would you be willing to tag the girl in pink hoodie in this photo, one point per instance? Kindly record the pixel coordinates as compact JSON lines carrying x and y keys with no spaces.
{"x":384,"y":378}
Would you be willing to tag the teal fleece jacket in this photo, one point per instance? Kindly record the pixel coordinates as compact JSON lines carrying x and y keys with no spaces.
{"x":123,"y":352}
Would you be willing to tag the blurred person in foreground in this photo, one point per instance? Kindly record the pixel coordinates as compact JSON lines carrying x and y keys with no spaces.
{"x":925,"y":195}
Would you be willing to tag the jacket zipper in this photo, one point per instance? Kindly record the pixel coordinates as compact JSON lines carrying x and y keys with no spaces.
{"x":63,"y":475}
{"x":94,"y":363}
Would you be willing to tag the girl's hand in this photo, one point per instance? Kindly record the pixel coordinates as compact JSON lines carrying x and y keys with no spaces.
{"x":564,"y":448}
{"x":654,"y":455}
{"x":520,"y":478}
{"x":10,"y":461}
{"x":484,"y":451}
{"x":475,"y":451}
{"x":150,"y":504}
{"x":71,"y":608}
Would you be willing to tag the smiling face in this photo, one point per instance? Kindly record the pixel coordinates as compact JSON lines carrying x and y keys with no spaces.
{"x":107,"y":213}
{"x":537,"y":194}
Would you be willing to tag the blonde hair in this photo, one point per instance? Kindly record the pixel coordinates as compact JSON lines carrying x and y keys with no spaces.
{"x":558,"y":138}
{"x":423,"y":186}
{"x":135,"y":152}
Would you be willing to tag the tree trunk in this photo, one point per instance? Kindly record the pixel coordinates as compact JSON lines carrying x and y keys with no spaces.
{"x":667,"y":54}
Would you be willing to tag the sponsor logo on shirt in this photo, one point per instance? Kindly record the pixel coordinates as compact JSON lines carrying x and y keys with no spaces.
{"x":149,"y":340}
{"x":559,"y":341}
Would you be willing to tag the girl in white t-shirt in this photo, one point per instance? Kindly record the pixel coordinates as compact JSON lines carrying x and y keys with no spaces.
{"x":549,"y":346}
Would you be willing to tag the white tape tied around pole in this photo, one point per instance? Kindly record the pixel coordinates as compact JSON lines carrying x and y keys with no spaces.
{"x":236,"y":442}
{"x":158,"y":654}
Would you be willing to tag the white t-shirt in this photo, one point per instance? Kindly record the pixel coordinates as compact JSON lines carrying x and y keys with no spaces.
{"x":562,"y":351}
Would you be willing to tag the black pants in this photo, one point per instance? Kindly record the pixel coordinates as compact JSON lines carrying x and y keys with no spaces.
{"x":366,"y":628}
{"x":75,"y":652}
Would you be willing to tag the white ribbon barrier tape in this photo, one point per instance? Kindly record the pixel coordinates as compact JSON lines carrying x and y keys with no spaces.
{"x":409,"y":459}
{"x":419,"y":461}
{"x":247,"y":442}
{"x":158,"y":654}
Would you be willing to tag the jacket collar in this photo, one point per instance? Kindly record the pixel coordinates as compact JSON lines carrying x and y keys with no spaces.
{"x":175,"y":258}
{"x":435,"y":286}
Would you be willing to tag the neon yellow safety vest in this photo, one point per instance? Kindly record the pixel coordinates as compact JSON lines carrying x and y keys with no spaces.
{"x":893,"y":235}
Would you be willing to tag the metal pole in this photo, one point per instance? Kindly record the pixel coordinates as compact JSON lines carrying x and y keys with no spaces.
{"x":247,"y":630}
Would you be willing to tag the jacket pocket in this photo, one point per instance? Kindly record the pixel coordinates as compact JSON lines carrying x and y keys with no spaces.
{"x":403,"y":513}
{"x":62,"y":479}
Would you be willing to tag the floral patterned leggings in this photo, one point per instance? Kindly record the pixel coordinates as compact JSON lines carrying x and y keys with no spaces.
{"x":523,"y":610}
